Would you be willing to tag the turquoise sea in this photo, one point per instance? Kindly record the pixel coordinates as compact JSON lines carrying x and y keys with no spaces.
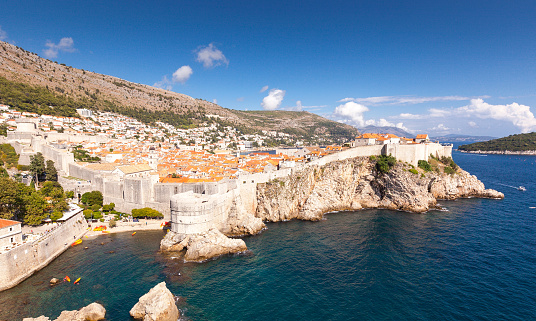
{"x":475,"y":261}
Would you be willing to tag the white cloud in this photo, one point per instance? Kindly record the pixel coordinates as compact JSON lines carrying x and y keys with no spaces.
{"x":182,"y":74}
{"x":519,"y":115}
{"x":403,"y":100}
{"x":273,"y":100}
{"x":240,"y":99}
{"x":440,"y":127}
{"x":211,"y":56}
{"x":3,"y":34}
{"x":472,"y":124}
{"x":165,"y":83}
{"x":385,"y":123}
{"x":215,"y":101}
{"x":263,"y":89}
{"x":66,"y":44}
{"x":351,"y":112}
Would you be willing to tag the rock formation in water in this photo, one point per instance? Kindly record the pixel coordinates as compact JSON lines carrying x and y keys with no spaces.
{"x":203,"y":246}
{"x":355,"y":184}
{"x":92,"y":312}
{"x":156,"y":305}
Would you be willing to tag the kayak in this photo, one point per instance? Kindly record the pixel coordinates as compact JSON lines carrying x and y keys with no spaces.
{"x":77,"y":280}
{"x":76,"y":242}
{"x":133,"y":233}
{"x":66,"y":278}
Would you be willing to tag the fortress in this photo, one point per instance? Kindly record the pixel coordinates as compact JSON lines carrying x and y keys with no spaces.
{"x":192,"y":207}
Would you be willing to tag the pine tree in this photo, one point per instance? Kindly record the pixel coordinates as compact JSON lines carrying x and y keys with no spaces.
{"x":51,"y":172}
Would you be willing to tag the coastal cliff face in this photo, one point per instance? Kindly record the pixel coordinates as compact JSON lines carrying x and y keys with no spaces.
{"x":350,"y":184}
{"x":355,"y":184}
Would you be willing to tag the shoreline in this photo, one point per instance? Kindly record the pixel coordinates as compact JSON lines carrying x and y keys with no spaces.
{"x":142,"y":225}
{"x":501,"y":152}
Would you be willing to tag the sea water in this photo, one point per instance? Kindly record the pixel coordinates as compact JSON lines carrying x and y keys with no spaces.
{"x":474,"y":261}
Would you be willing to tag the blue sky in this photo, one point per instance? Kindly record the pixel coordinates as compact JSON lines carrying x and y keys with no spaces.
{"x":439,"y":67}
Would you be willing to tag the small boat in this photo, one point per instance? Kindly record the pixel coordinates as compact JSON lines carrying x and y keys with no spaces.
{"x":77,"y":280}
{"x":66,"y":278}
{"x":77,"y":242}
{"x":522,"y":188}
{"x":133,"y":233}
{"x":105,"y":232}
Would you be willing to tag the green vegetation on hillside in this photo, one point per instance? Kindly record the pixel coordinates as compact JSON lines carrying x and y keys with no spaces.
{"x":38,"y":100}
{"x":515,"y":143}
{"x":8,"y":156}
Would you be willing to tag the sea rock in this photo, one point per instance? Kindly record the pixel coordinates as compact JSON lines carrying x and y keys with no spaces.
{"x":203,"y":246}
{"x":54,"y":281}
{"x":156,"y":305}
{"x":41,"y":318}
{"x":92,"y":312}
{"x":210,"y":244}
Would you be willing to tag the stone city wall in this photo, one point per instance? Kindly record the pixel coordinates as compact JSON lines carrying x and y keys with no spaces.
{"x":21,"y":262}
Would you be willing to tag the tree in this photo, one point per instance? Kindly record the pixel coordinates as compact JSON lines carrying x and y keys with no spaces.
{"x":51,"y":172}
{"x":92,"y":198}
{"x":56,"y":215}
{"x":37,"y":166}
{"x":146,"y":212}
{"x":69,"y":194}
{"x":9,"y":197}
{"x":36,"y":207}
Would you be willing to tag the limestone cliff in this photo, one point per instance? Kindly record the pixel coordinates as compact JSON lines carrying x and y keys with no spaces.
{"x":355,"y":184}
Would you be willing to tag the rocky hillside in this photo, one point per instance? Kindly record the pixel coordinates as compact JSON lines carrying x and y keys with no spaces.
{"x":355,"y":184}
{"x":24,"y":71}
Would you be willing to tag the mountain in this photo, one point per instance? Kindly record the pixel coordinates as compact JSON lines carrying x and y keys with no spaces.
{"x":462,"y":138}
{"x":513,"y":143}
{"x":386,"y":130}
{"x":31,"y":83}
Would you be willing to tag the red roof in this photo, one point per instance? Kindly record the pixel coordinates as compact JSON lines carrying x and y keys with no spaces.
{"x":6,"y":223}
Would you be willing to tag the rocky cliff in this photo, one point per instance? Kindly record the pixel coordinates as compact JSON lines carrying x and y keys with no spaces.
{"x":355,"y":184}
{"x":350,"y":184}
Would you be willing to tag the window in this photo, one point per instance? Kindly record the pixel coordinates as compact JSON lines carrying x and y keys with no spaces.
{"x":11,"y":240}
{"x":11,"y":229}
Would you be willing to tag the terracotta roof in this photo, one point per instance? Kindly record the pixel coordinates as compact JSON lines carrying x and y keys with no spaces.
{"x":6,"y":223}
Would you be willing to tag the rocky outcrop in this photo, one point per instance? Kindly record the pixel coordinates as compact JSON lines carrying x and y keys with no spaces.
{"x":92,"y":312}
{"x":156,"y":305}
{"x":354,"y":184}
{"x":203,"y":246}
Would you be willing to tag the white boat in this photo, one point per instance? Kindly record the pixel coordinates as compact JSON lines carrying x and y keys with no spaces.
{"x":522,"y":188}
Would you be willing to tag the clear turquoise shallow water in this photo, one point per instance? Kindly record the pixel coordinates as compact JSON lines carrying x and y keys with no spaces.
{"x":476,"y":261}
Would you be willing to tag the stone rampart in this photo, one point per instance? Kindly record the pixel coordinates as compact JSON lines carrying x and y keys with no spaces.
{"x":21,"y":262}
{"x":193,"y":213}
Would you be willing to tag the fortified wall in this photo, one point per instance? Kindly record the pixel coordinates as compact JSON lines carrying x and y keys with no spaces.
{"x":197,"y":211}
{"x":21,"y":262}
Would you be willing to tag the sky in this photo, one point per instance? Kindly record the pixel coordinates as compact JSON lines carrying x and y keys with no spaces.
{"x":437,"y":67}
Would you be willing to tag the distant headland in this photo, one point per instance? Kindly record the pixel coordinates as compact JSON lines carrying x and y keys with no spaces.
{"x":520,"y":144}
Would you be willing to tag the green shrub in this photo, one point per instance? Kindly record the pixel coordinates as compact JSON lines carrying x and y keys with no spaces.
{"x":56,"y":215}
{"x":101,"y":220}
{"x":69,"y":194}
{"x":414,"y":171}
{"x":372,"y":158}
{"x":385,"y":163}
{"x":95,"y":207}
{"x":112,"y":223}
{"x":88,"y":213}
{"x":449,"y":170}
{"x":146,"y":212}
{"x":425,"y":165}
{"x":422,"y":175}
